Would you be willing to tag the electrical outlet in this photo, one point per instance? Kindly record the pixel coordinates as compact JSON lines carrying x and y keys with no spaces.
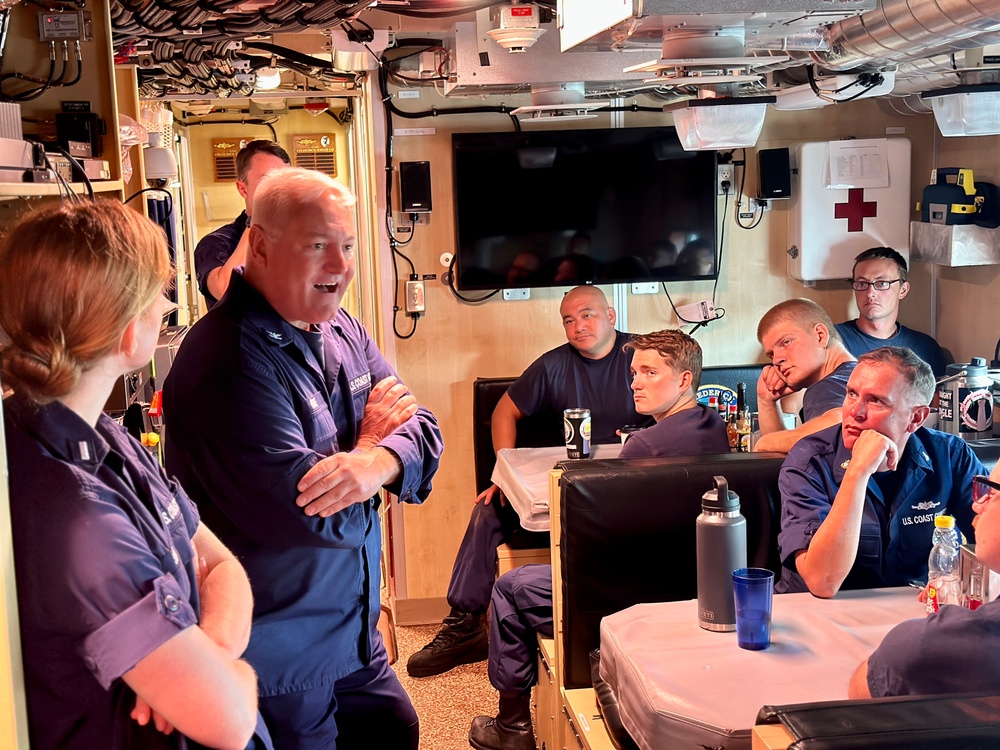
{"x":414,"y":302}
{"x":749,"y":208}
{"x":412,"y":219}
{"x":725,"y":176}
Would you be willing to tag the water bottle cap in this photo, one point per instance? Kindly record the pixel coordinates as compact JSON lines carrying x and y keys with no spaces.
{"x":976,"y":368}
{"x":721,"y":499}
{"x":944,"y":522}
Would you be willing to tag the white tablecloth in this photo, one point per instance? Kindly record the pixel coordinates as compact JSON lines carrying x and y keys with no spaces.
{"x":681,"y":686}
{"x":523,"y":475}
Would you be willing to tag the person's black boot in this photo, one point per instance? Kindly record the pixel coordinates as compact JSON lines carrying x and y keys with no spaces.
{"x":462,"y":640}
{"x":511,"y":728}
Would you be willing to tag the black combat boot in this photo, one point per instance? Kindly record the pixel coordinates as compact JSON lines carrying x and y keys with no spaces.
{"x":510,"y":730}
{"x":462,"y":640}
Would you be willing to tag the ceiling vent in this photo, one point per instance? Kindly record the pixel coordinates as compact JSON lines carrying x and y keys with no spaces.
{"x":767,"y":24}
{"x":704,"y":57}
{"x":560,"y":102}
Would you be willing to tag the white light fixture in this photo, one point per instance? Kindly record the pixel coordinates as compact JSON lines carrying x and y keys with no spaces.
{"x":966,"y":110}
{"x":268,"y":78}
{"x":719,"y":123}
{"x":832,"y":90}
{"x":159,"y":162}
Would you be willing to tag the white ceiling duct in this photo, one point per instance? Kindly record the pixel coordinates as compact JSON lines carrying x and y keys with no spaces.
{"x":901,"y":30}
{"x":775,"y":24}
{"x":479,"y":66}
{"x":734,"y":48}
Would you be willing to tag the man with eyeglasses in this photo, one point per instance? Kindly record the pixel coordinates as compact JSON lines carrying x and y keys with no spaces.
{"x":858,"y":500}
{"x":970,"y":638}
{"x":879,"y":283}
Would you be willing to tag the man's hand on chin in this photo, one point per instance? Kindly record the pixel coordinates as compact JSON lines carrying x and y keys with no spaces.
{"x":771,"y":386}
{"x":874,"y":452}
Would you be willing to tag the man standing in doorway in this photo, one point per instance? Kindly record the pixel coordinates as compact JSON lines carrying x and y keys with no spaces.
{"x":224,"y":249}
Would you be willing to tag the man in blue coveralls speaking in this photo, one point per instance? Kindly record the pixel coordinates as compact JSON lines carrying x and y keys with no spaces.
{"x":284,"y":421}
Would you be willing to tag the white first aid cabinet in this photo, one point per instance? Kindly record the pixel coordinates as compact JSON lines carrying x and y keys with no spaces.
{"x":847,"y":196}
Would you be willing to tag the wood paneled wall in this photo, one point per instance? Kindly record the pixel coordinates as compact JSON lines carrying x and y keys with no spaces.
{"x":457,"y":342}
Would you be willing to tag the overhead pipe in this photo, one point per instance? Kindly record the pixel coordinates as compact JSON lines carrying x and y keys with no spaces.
{"x":877,"y":43}
{"x":902,"y":30}
{"x":906,"y":106}
{"x":935,"y":71}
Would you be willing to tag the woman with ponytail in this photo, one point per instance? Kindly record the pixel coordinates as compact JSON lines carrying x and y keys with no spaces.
{"x":133,"y":615}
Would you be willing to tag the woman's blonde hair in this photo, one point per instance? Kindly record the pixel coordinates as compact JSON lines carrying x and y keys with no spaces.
{"x":72,"y":277}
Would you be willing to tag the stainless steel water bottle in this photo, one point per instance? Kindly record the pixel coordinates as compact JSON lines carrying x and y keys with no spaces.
{"x":721,"y":542}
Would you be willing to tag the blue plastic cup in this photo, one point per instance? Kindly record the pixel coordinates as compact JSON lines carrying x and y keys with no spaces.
{"x":752,"y":593}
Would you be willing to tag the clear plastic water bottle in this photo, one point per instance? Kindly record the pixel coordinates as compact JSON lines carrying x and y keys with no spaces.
{"x":943,"y":585}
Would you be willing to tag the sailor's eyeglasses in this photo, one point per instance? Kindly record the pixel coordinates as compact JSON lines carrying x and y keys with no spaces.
{"x":881,"y":285}
{"x":983,"y":489}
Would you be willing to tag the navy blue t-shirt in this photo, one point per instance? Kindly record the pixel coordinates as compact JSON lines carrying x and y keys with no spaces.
{"x":828,"y":393}
{"x":968,"y":641}
{"x":858,"y":342}
{"x":214,"y":250}
{"x":693,"y":432}
{"x":562,"y":378}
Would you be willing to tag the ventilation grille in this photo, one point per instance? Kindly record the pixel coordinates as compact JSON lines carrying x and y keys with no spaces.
{"x":316,"y":151}
{"x":224,"y":152}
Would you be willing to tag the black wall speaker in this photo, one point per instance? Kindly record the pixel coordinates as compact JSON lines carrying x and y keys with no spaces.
{"x":415,"y":187}
{"x":775,"y":173}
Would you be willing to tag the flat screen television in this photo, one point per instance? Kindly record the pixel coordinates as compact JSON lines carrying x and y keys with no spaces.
{"x":568,"y":207}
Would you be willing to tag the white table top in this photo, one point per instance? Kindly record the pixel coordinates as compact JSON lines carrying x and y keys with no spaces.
{"x":673,"y":678}
{"x":523,"y":475}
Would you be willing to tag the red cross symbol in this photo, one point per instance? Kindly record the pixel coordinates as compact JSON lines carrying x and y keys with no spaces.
{"x":856,"y":210}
